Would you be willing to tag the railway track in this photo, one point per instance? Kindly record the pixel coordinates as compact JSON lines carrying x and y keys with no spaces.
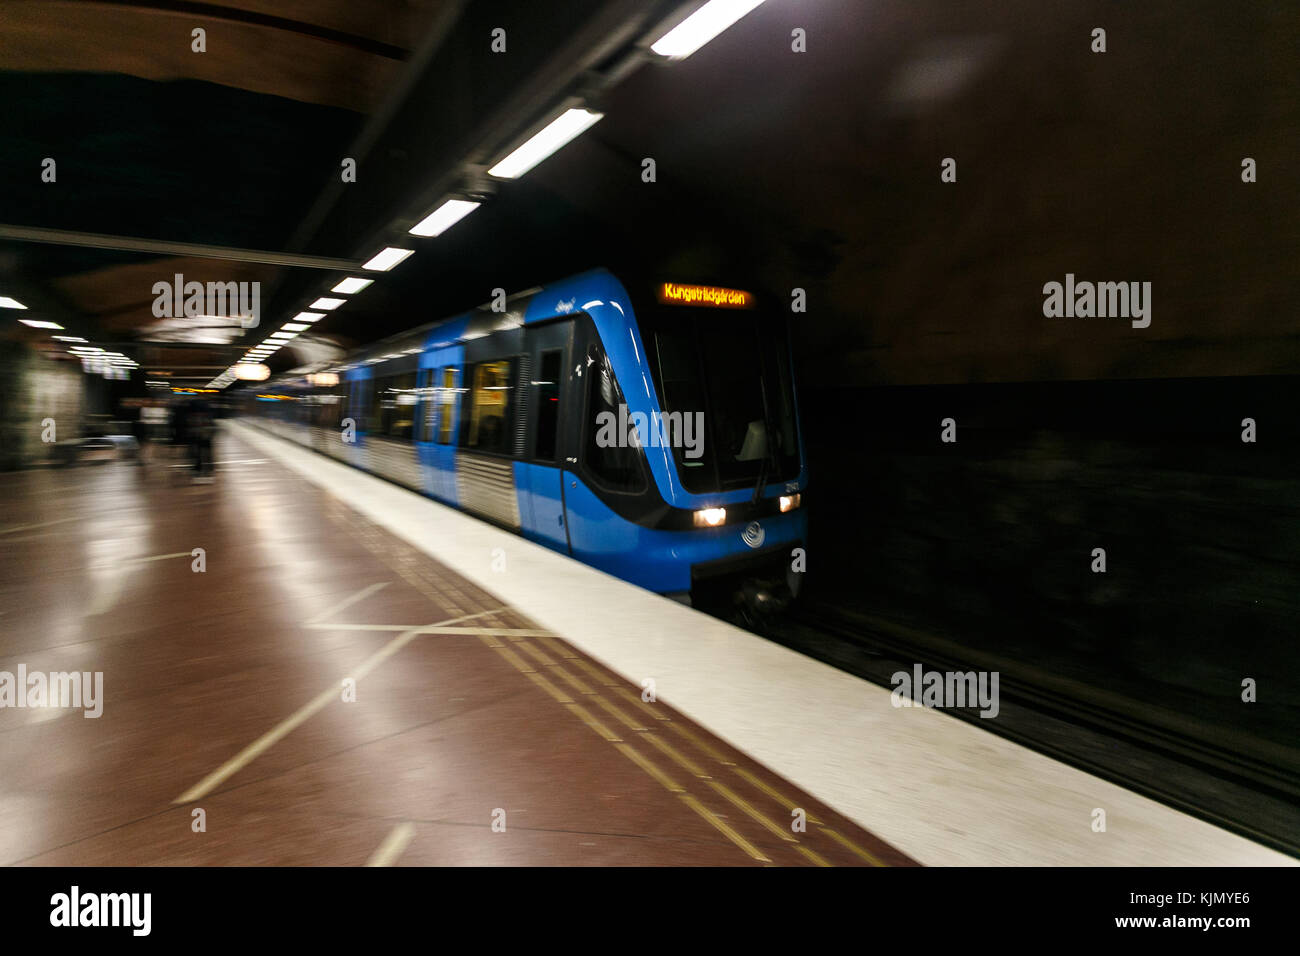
{"x":1246,"y":793}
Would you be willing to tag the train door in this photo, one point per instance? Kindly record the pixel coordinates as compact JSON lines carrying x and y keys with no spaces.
{"x":425,"y":422}
{"x":442,"y":451}
{"x":549,"y":347}
{"x":354,"y":425}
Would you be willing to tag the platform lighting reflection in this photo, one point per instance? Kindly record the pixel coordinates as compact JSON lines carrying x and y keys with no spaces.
{"x":385,"y":260}
{"x":551,"y":138}
{"x":352,"y":284}
{"x":701,"y":27}
{"x":444,"y":217}
{"x":252,"y":373}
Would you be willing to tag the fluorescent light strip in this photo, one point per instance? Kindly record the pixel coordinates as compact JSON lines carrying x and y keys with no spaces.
{"x":284,"y":336}
{"x":386,"y":259}
{"x":351,"y":284}
{"x":8,"y":303}
{"x":328,"y":304}
{"x":295,"y":326}
{"x":67,"y":338}
{"x":444,"y":217}
{"x":40,"y":324}
{"x":701,"y":27}
{"x":308,"y":317}
{"x":555,"y":135}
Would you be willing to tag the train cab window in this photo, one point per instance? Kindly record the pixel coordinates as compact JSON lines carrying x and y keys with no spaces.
{"x":446,"y":406}
{"x":616,"y":464}
{"x":548,"y":405}
{"x":488,"y":426}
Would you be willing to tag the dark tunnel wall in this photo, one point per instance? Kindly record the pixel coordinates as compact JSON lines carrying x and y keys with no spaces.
{"x":1117,"y":166}
{"x":1122,"y":166}
{"x":1072,"y":433}
{"x":989,"y":540}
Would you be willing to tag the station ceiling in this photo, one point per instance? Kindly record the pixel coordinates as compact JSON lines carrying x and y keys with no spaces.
{"x":817,"y":170}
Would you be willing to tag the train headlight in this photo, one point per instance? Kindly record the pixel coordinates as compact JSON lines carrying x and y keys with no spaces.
{"x":790,"y":502}
{"x":710,"y":517}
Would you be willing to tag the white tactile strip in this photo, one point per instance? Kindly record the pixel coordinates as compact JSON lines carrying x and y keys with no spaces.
{"x":941,"y":790}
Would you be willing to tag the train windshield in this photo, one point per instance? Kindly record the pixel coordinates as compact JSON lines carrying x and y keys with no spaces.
{"x":725,"y":387}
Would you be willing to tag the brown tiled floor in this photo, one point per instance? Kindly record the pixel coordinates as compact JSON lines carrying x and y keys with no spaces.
{"x":224,"y":692}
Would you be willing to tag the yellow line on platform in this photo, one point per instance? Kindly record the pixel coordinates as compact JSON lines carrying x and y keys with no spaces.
{"x":394,"y":845}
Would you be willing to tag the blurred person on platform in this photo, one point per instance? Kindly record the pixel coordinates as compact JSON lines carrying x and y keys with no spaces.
{"x":197,"y":423}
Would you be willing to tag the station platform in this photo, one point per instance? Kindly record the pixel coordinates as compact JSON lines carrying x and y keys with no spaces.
{"x":359,"y":675}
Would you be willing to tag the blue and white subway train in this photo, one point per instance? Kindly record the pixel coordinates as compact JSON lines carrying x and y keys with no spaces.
{"x":655,"y":438}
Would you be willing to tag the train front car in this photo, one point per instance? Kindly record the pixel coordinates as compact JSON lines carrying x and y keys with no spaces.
{"x":686,"y":469}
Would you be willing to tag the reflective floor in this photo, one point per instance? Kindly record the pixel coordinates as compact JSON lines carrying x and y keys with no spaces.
{"x":284,"y":682}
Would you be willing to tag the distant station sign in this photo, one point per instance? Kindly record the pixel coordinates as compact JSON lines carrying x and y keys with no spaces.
{"x":711,"y":296}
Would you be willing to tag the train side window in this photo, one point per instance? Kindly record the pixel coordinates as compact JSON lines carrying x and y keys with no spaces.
{"x":488,"y":425}
{"x":446,"y":405}
{"x":360,"y":389}
{"x":615,"y":464}
{"x":394,"y":412}
{"x":548,"y":405}
{"x":427,"y":408}
{"x":375,"y":405}
{"x":401,"y":424}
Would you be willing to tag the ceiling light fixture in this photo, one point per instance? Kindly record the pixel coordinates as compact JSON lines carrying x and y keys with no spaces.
{"x":701,"y":27}
{"x":444,"y":217}
{"x":352,"y":284}
{"x":551,"y":138}
{"x":385,"y":260}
